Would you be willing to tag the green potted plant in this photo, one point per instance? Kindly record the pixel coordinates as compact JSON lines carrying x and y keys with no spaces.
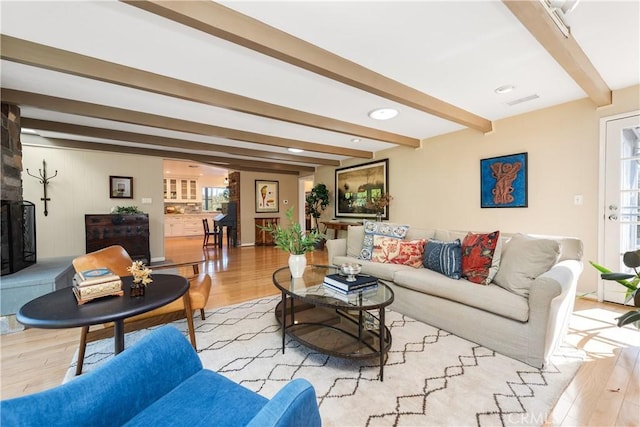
{"x":630,"y":281}
{"x":295,"y":241}
{"x":316,"y":202}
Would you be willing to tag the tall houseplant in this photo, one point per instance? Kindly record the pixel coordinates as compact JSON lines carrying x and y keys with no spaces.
{"x":315,"y":203}
{"x":295,"y":241}
{"x":630,"y":281}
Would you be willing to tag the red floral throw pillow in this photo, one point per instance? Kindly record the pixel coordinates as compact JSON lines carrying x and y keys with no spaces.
{"x":410,"y":253}
{"x":478,"y":252}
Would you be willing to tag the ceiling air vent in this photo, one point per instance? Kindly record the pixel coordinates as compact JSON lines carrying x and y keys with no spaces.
{"x":521,"y":100}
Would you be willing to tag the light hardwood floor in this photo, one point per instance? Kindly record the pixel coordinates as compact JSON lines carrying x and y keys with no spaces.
{"x":605,"y":392}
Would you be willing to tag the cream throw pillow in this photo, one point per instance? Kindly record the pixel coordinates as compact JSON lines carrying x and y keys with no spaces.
{"x":523,"y":259}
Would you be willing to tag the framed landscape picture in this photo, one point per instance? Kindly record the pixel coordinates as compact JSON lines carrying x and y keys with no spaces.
{"x":266,"y":196}
{"x":503,"y":181}
{"x":357,"y":185}
{"x":121,"y":187}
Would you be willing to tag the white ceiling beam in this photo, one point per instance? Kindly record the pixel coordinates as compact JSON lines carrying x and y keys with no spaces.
{"x":227,"y":24}
{"x":563,"y":48}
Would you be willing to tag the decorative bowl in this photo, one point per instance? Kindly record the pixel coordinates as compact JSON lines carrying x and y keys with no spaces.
{"x":350,"y":269}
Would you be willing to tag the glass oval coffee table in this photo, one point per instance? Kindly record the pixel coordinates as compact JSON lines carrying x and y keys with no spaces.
{"x":330,"y":322}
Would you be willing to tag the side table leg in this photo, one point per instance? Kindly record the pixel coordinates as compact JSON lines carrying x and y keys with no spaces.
{"x":118,"y":335}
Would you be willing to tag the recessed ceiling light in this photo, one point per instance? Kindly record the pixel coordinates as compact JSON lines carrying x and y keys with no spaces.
{"x":355,"y":139}
{"x":383,"y":113}
{"x":295,"y":150}
{"x":504,"y":89}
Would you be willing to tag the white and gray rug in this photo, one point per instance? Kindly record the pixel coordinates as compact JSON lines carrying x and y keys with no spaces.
{"x":431,"y":378}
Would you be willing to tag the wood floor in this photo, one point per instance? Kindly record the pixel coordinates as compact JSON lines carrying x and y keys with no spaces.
{"x":605,"y":392}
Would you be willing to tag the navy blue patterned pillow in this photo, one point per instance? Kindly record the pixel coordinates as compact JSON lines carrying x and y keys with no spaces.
{"x":443,"y":257}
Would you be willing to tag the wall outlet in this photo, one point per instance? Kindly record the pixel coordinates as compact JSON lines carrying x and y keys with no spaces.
{"x":578,"y":200}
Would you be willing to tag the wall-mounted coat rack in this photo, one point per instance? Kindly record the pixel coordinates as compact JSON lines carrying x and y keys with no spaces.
{"x":44,"y":180}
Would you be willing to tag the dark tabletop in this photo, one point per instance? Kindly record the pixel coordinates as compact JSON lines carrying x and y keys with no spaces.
{"x":60,"y":309}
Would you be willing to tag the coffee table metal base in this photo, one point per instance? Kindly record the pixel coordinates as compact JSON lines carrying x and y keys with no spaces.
{"x":346,"y":333}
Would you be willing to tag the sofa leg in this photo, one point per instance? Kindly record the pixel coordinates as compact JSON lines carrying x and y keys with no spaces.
{"x":202,"y":314}
{"x":81,"y":349}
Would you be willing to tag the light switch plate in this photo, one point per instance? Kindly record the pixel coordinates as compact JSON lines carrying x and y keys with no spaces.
{"x":146,"y":201}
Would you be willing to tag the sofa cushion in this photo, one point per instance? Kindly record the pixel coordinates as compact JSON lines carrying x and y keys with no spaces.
{"x":420,"y":233}
{"x":384,"y":271}
{"x":481,"y":257}
{"x":372,"y":228}
{"x":490,"y":298}
{"x":523,"y":259}
{"x":443,"y":257}
{"x":355,"y":235}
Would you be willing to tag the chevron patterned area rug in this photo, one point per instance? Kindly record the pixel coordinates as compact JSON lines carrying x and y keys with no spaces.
{"x":431,"y":377}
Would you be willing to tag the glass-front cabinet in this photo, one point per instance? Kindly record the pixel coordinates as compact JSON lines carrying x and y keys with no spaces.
{"x":181,"y":190}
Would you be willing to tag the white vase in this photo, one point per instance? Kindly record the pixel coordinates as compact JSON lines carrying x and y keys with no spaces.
{"x":297,"y":264}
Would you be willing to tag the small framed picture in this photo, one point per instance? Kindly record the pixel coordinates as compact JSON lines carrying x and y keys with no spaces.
{"x":121,"y":187}
{"x":266,"y":196}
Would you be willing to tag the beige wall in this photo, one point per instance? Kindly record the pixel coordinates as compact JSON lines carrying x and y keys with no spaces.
{"x":288,"y":190}
{"x":437,"y":185}
{"x":82,"y":186}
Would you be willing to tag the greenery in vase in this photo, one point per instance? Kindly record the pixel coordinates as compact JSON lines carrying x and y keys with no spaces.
{"x":125,"y":210}
{"x":292,"y":239}
{"x":630,"y":281}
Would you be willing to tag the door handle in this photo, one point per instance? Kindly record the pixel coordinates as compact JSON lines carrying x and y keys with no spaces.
{"x":613,"y":217}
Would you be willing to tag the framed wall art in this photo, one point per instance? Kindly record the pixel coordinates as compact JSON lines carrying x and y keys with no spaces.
{"x":503,"y":181}
{"x":356,"y":187}
{"x":121,"y":187}
{"x":266,"y":196}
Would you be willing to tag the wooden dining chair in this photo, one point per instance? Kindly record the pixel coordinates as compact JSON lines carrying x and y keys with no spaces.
{"x":117,"y":260}
{"x":216,"y":232}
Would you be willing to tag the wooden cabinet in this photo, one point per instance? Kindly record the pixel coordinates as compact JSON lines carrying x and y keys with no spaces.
{"x":181,"y":190}
{"x":264,"y":238}
{"x":185,"y":225}
{"x":128,"y":231}
{"x":173,"y":226}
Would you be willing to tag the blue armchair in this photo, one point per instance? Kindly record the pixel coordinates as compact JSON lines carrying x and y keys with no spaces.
{"x":161,"y":381}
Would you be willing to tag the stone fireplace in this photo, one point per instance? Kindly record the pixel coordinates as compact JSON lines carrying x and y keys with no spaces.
{"x":18,"y":216}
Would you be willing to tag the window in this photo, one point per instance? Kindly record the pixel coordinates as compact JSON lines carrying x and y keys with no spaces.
{"x":213,"y":197}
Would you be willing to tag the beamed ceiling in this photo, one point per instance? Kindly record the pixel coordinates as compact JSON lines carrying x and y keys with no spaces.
{"x":236,"y":84}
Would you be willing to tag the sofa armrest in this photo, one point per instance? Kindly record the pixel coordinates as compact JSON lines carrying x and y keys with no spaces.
{"x":336,"y":247}
{"x":113,"y":393}
{"x":294,"y":405}
{"x":551,"y":301}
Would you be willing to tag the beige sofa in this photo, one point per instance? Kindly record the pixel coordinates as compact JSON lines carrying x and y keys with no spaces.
{"x":527,"y":328}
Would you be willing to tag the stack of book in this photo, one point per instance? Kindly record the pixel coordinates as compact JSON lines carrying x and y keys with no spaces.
{"x":96,"y":283}
{"x":339,"y":284}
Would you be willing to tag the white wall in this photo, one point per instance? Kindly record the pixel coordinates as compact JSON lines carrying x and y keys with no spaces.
{"x":82,"y":187}
{"x":438,"y":184}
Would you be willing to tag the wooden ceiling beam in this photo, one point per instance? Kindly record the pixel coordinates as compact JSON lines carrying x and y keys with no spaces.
{"x":227,"y":24}
{"x":564,"y":49}
{"x":86,"y":109}
{"x":117,"y":135}
{"x":223,"y":162}
{"x":50,"y":58}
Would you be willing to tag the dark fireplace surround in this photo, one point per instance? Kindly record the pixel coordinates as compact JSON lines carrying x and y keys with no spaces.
{"x":18,"y":222}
